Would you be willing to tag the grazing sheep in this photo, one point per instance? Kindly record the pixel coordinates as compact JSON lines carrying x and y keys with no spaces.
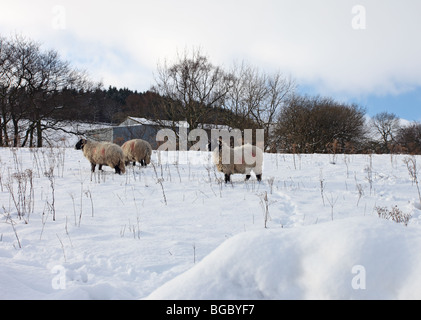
{"x":242,"y":159}
{"x":102,"y":153}
{"x":137,"y":150}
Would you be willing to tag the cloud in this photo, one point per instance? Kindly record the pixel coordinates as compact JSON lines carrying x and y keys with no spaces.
{"x":122,"y":42}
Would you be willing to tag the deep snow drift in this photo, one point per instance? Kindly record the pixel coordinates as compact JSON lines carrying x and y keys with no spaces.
{"x":175,"y":230}
{"x":354,"y":258}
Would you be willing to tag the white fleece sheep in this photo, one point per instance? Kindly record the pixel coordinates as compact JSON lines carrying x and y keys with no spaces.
{"x":103,"y":153}
{"x":242,"y":159}
{"x":137,"y":150}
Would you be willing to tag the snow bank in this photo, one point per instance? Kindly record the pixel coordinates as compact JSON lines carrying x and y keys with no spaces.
{"x":352,"y":258}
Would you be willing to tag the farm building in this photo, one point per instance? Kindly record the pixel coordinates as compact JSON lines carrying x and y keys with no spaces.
{"x":141,"y":128}
{"x":132,"y":128}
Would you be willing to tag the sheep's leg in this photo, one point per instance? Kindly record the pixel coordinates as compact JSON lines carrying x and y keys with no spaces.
{"x":93,"y":165}
{"x":100,"y":167}
{"x":247,"y":172}
{"x":259,"y":177}
{"x":117,"y":169}
{"x":142,"y":163}
{"x":227,"y":178}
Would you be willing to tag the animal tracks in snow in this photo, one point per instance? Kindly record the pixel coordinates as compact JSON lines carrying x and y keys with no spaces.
{"x":286,"y":212}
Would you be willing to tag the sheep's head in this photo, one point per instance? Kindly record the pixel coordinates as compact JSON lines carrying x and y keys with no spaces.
{"x":218,"y":150}
{"x":81,"y":144}
{"x":223,"y":152}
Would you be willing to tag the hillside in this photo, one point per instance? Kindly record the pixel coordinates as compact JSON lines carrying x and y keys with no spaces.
{"x":152,"y":232}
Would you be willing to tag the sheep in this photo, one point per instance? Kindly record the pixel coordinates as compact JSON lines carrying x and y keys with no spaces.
{"x":242,"y":159}
{"x":103,"y":153}
{"x":137,"y":150}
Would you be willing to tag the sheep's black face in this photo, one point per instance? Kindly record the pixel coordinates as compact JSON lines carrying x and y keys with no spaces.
{"x":220,"y":145}
{"x":80,"y":144}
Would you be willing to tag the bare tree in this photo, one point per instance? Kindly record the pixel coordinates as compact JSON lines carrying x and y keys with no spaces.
{"x":5,"y":84}
{"x":31,"y":88}
{"x":11,"y":85}
{"x":386,"y":125}
{"x":256,"y":99}
{"x":48,"y":76}
{"x":246,"y":94}
{"x":191,"y":87}
{"x":279,"y":90}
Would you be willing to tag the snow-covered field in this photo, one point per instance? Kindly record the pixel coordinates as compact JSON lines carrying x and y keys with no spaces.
{"x":176,"y":231}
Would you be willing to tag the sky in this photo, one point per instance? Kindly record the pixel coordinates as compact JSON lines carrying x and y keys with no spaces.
{"x":366,"y":52}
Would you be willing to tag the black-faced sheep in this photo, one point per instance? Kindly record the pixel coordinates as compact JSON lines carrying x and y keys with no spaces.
{"x":102,"y":153}
{"x":242,"y":159}
{"x":137,"y":150}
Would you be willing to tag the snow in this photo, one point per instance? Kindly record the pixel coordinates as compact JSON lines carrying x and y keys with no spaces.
{"x":314,"y":262}
{"x":174,"y":231}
